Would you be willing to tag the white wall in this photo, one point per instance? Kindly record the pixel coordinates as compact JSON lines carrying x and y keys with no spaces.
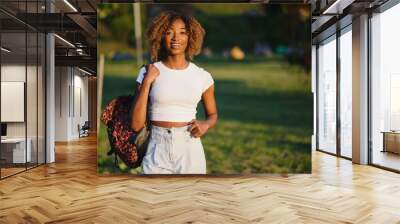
{"x":12,"y":73}
{"x":33,"y":127}
{"x":80,"y":96}
{"x":71,"y":93}
{"x":61,"y":103}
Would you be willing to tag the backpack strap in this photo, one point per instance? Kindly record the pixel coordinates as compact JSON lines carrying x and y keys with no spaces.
{"x":112,"y":151}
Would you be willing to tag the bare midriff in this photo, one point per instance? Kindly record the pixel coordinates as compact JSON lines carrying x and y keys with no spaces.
{"x":169,"y":124}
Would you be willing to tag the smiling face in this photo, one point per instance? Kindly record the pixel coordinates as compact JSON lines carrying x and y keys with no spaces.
{"x":176,"y":38}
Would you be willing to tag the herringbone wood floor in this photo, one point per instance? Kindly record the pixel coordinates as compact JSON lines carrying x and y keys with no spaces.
{"x":70,"y":191}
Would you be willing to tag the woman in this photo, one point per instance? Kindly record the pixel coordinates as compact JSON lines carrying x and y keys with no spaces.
{"x":174,"y":85}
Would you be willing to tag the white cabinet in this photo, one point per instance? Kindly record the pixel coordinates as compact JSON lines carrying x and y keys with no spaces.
{"x":17,"y":147}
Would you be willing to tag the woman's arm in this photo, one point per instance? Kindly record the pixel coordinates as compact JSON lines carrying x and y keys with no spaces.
{"x":210,"y":106}
{"x":139,"y":107}
{"x":199,"y":128}
{"x":139,"y":111}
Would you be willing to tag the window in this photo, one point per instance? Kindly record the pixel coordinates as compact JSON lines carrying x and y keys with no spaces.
{"x":346,"y":92}
{"x":23,"y":77}
{"x":327,"y":95}
{"x":385,"y":88}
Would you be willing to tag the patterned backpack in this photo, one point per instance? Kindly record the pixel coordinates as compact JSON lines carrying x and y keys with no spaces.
{"x":129,"y":145}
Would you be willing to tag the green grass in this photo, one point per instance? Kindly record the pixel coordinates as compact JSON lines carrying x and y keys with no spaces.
{"x":265,"y":117}
{"x":227,"y":9}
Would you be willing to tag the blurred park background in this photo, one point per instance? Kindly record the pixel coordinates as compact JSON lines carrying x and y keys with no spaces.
{"x":259,"y":56}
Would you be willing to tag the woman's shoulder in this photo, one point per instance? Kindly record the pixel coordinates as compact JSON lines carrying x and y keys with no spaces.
{"x":206,"y":77}
{"x":199,"y":69}
{"x":157,"y":63}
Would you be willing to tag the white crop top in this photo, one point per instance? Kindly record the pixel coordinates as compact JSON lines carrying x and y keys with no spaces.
{"x":174,"y":94}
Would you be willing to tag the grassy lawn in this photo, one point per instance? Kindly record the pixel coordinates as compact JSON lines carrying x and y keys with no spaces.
{"x":265,"y":117}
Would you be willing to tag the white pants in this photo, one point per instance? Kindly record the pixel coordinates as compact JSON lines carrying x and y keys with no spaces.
{"x":174,"y":151}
